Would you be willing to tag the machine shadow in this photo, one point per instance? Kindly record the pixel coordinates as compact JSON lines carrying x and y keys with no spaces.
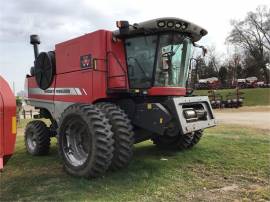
{"x":46,"y":173}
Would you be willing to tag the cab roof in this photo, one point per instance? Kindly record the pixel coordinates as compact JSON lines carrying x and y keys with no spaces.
{"x":162,"y":25}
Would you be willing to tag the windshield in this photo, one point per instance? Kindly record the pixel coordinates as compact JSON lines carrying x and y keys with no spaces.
{"x":159,"y":60}
{"x":173,"y":60}
{"x":140,"y":60}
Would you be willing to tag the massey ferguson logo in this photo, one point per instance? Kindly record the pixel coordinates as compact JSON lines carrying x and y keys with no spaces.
{"x":85,"y":61}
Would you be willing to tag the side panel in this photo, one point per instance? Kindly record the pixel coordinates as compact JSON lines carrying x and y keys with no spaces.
{"x":36,"y":93}
{"x":90,"y":81}
{"x":76,"y":87}
{"x":44,"y":98}
{"x":69,"y":53}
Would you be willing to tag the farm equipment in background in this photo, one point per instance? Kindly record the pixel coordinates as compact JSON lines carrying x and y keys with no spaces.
{"x":7,"y":122}
{"x":216,"y":99}
{"x":233,"y":100}
{"x":209,"y":83}
{"x":105,"y":91}
{"x":251,"y":82}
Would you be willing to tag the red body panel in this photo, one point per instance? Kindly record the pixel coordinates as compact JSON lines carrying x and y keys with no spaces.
{"x":167,"y":91}
{"x":78,"y":79}
{"x":31,"y":83}
{"x":68,"y":53}
{"x":7,"y":113}
{"x":90,"y":85}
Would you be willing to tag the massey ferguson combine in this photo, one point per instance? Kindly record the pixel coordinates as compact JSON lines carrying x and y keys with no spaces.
{"x":105,"y":91}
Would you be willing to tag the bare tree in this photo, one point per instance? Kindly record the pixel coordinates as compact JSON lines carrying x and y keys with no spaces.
{"x":212,"y":58}
{"x":253,"y":35}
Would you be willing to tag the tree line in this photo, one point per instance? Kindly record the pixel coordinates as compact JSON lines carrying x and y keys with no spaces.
{"x":249,"y":51}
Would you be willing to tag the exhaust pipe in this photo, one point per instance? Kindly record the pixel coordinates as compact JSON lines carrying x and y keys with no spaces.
{"x":34,"y":40}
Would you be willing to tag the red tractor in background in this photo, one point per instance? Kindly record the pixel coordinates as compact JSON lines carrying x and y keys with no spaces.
{"x":8,"y":122}
{"x":105,"y":91}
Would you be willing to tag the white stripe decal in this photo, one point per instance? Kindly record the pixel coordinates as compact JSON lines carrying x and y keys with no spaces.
{"x":55,"y":91}
{"x":78,"y":91}
{"x":84,"y":91}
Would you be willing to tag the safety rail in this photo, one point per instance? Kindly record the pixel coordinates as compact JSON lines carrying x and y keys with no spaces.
{"x":115,"y":76}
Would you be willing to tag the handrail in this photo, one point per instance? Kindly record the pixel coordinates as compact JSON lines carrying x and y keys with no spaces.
{"x":121,"y":66}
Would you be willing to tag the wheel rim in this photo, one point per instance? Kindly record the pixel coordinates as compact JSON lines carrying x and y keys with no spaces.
{"x":172,"y":129}
{"x":31,"y":141}
{"x":76,"y":141}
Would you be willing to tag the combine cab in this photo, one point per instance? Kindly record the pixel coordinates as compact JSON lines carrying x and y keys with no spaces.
{"x":105,"y":91}
{"x":7,"y":122}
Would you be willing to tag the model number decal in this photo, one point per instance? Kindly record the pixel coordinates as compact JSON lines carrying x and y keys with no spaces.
{"x":58,"y":91}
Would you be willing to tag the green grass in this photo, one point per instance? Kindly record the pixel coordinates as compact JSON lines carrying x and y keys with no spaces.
{"x":252,"y":96}
{"x":23,"y":122}
{"x":225,"y":156}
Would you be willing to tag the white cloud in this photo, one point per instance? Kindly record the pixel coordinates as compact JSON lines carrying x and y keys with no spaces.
{"x":57,"y":21}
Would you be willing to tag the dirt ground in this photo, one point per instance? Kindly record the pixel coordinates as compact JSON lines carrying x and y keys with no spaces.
{"x":255,"y":117}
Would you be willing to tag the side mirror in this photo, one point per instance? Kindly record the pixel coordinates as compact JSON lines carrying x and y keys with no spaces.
{"x":204,"y":51}
{"x":192,"y":63}
{"x":122,"y":24}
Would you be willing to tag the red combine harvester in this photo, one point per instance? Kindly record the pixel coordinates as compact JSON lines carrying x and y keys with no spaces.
{"x":7,"y":122}
{"x":105,"y":91}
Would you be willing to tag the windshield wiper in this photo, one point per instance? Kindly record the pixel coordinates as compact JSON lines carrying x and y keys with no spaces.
{"x":173,"y":52}
{"x":140,"y":67}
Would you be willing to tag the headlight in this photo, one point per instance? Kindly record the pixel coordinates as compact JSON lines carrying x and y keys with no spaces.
{"x":184,"y":26}
{"x":161,"y":24}
{"x":177,"y":25}
{"x":170,"y":24}
{"x":190,"y":114}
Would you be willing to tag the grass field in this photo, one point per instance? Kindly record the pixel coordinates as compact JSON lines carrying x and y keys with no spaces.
{"x":252,"y":96}
{"x":229,"y":163}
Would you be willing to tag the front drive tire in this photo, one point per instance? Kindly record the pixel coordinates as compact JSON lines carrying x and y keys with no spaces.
{"x":37,"y":138}
{"x":85,"y":141}
{"x":123,"y":135}
{"x":196,"y":138}
{"x":179,"y":142}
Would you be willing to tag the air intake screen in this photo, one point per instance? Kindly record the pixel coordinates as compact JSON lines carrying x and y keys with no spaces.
{"x":45,"y":69}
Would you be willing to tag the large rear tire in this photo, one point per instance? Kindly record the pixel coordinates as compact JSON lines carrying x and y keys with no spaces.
{"x":37,"y":138}
{"x":122,"y":134}
{"x":85,"y":141}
